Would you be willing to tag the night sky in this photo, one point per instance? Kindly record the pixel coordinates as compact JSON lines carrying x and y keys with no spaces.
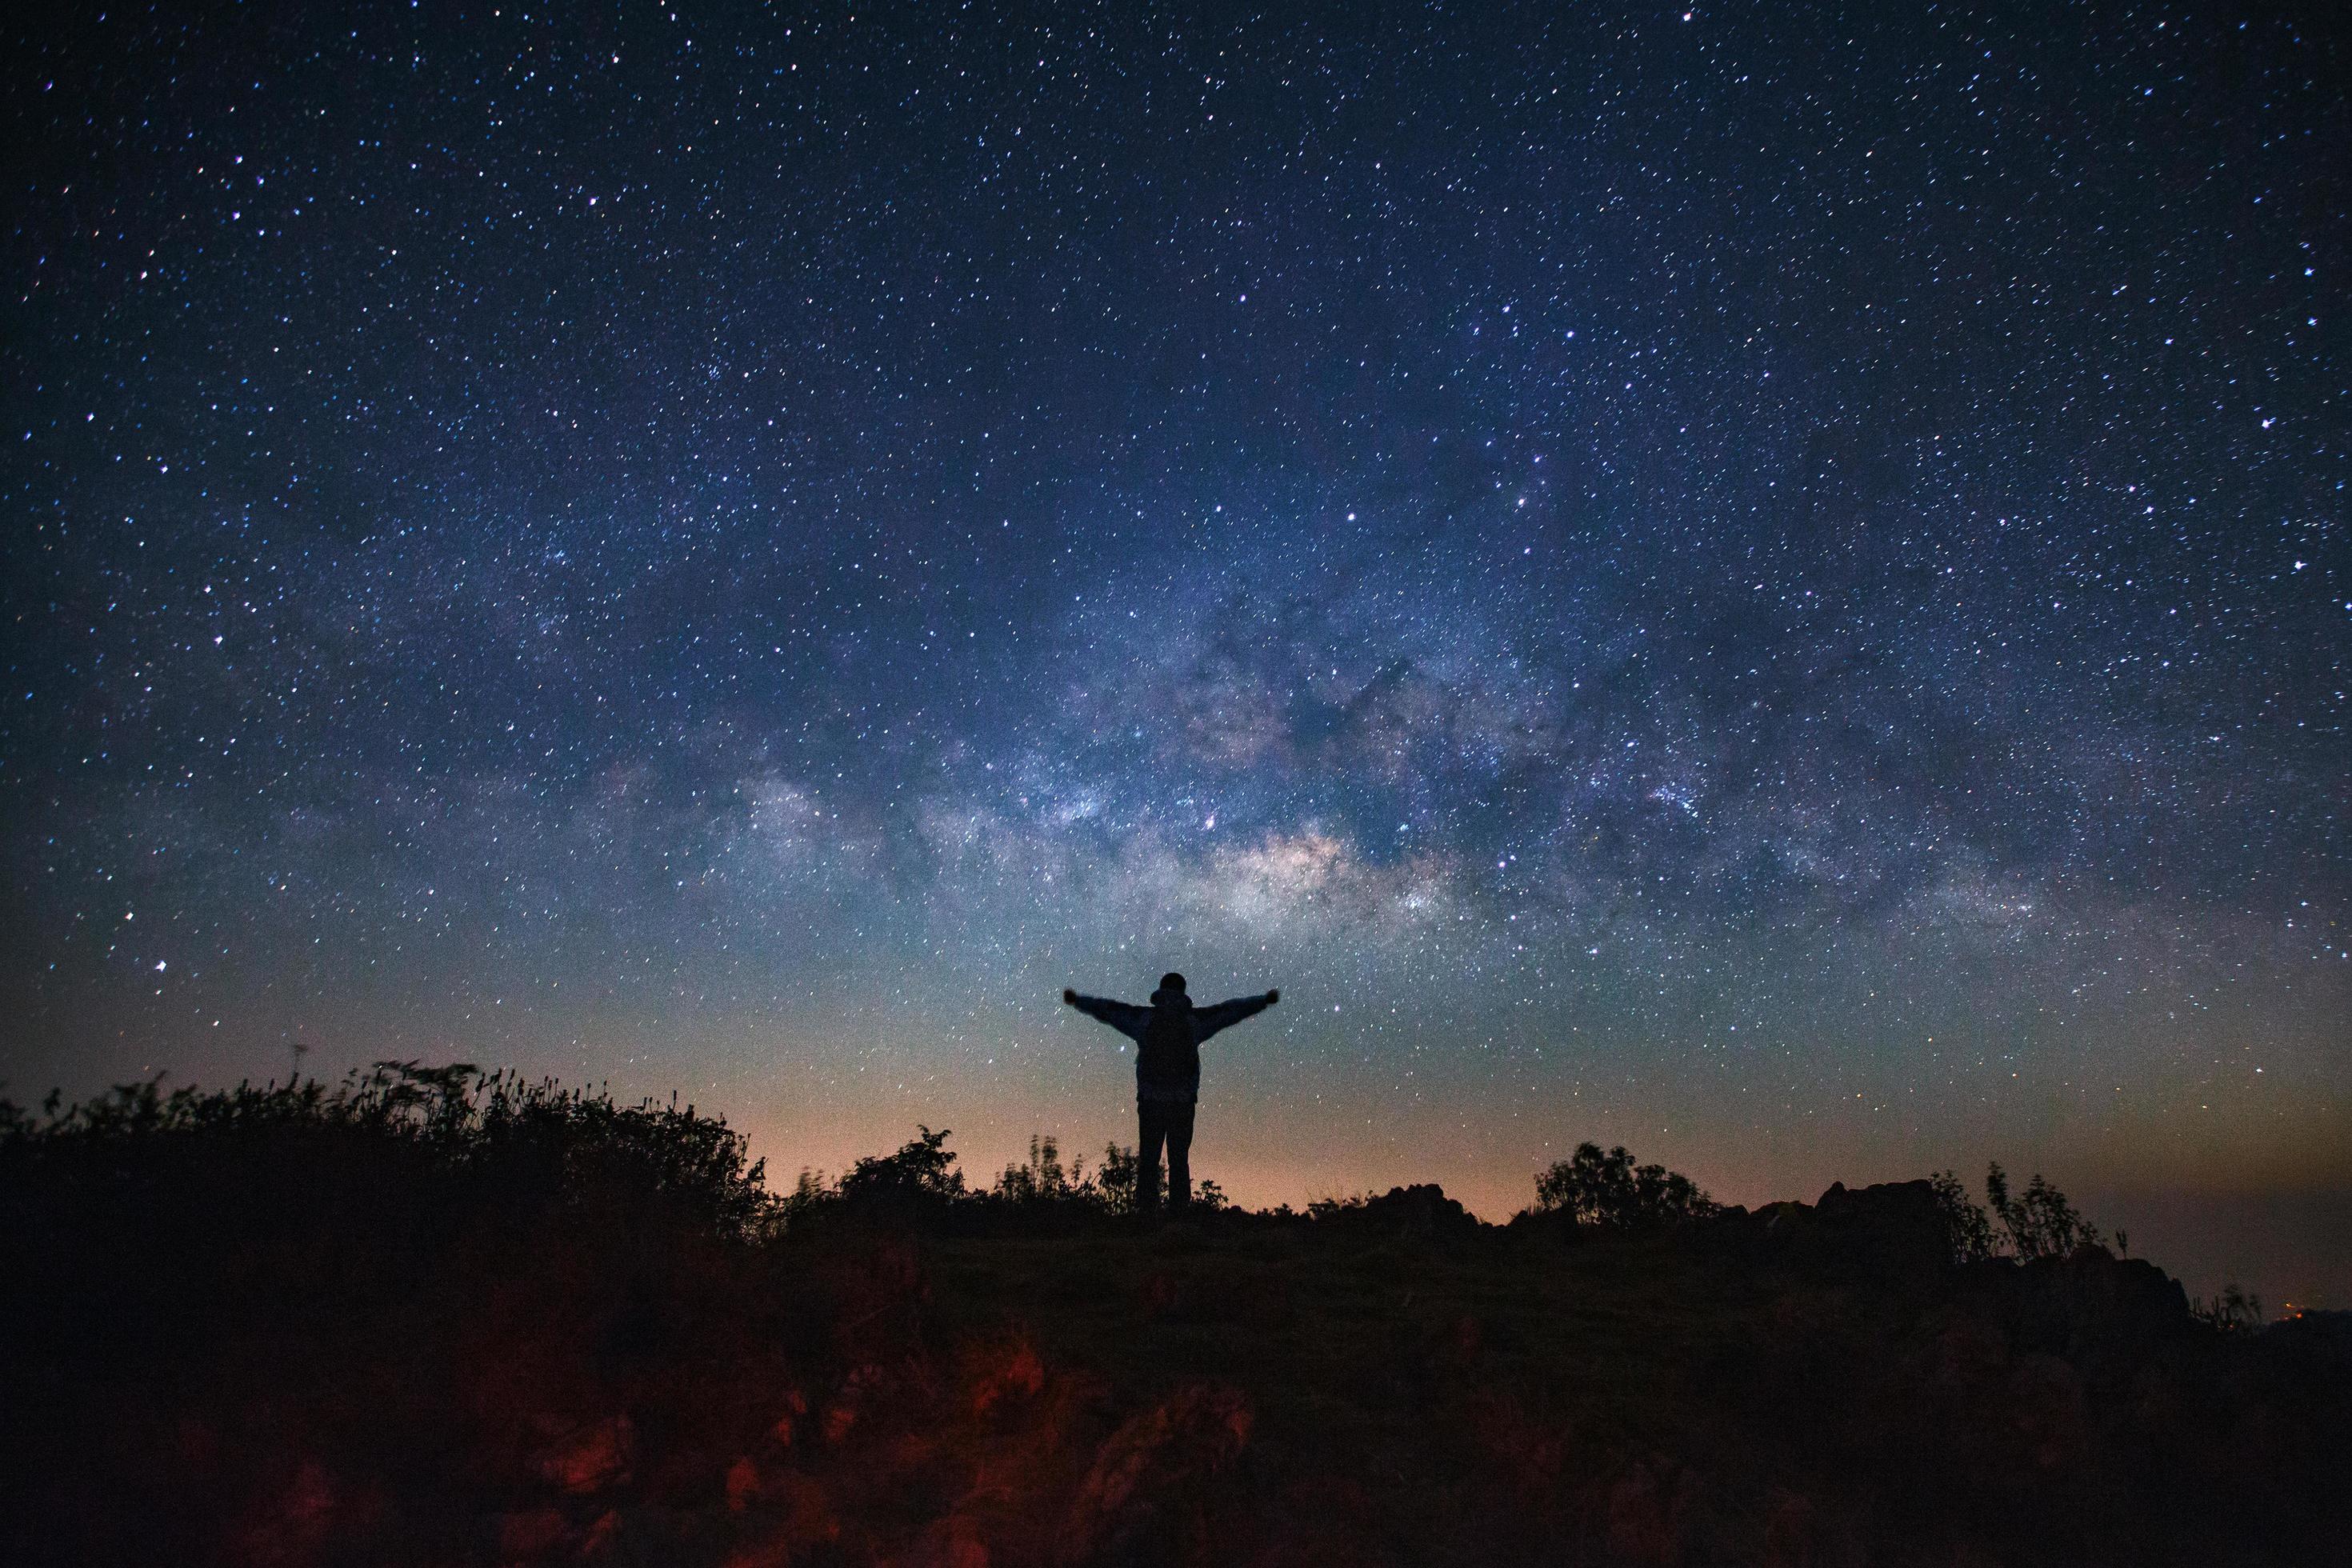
{"x":1769,"y":586}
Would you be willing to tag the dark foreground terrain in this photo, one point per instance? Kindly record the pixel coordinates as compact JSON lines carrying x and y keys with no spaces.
{"x":439,"y":1319}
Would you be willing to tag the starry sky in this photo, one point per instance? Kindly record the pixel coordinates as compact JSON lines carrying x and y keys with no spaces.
{"x":1765,"y":583}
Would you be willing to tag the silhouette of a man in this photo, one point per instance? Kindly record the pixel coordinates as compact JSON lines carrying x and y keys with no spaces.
{"x":1167,"y":1037}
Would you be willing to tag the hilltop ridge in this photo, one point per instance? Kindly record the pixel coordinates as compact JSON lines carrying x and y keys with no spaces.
{"x":450,"y":1317}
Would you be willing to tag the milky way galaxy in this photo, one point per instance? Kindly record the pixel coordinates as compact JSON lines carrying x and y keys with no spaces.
{"x":1768,"y":584}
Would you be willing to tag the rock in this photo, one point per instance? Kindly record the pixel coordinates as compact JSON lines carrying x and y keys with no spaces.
{"x":2090,"y":1303}
{"x":2044,"y":1411}
{"x":1421,"y":1210}
{"x":1895,"y":1232}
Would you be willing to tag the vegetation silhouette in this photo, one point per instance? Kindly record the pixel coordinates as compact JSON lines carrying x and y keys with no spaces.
{"x":2039,"y":1223}
{"x":435,"y":1314}
{"x":1609,"y":1191}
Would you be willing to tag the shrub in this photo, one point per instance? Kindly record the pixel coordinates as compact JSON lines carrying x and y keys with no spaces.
{"x":922,"y":1171}
{"x":1043,"y":1179}
{"x":1965,"y":1220}
{"x":538,"y":1139}
{"x":2234,"y":1311}
{"x":1609,"y":1191}
{"x":921,"y":1177}
{"x":1116,"y":1181}
{"x":2039,"y":1223}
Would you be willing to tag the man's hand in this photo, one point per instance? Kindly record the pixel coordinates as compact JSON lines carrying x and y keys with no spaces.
{"x":1273,"y":996}
{"x":1069,"y":997}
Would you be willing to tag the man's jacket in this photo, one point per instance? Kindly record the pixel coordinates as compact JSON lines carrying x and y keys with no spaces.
{"x":1168,"y":1037}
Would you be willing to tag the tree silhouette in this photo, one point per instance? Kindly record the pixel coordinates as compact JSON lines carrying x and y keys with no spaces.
{"x":1609,"y":1191}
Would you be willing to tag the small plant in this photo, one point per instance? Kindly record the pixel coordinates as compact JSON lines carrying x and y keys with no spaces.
{"x":1117,"y":1178}
{"x":2039,"y":1222}
{"x":922,"y":1174}
{"x":2235,"y":1311}
{"x":1043,"y":1179}
{"x":1965,"y":1220}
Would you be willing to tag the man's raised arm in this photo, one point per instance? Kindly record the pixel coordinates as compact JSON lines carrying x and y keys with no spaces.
{"x":1207,"y":1021}
{"x":1125,"y":1016}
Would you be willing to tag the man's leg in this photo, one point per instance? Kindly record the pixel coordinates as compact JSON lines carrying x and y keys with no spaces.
{"x":1150,"y":1128}
{"x":1180,"y":1154}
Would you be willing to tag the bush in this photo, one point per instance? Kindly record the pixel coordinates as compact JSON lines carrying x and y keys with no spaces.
{"x":2039,"y":1222}
{"x":537,"y":1141}
{"x":1609,"y":1191}
{"x":1965,"y":1220}
{"x":1109,"y":1189}
{"x":922,"y":1176}
{"x":2235,"y":1311}
{"x":921,"y":1173}
{"x":1116,"y":1181}
{"x":1043,"y":1179}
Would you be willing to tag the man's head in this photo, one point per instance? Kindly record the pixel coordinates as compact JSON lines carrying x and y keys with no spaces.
{"x":1171,"y":992}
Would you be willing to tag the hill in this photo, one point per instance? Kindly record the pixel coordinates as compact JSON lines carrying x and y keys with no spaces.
{"x":442,"y":1317}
